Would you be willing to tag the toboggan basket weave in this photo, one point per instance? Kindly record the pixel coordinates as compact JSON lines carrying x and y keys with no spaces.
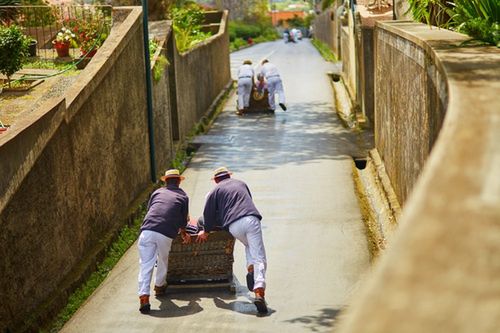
{"x":211,"y":261}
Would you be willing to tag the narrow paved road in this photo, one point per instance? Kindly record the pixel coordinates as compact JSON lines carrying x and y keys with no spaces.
{"x":298,"y":166}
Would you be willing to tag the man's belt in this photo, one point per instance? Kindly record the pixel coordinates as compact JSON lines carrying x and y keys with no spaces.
{"x":268,"y":77}
{"x":244,"y":77}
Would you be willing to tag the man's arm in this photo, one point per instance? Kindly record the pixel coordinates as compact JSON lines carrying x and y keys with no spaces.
{"x":186,"y":239}
{"x":210,"y":212}
{"x":209,"y":217}
{"x":151,"y":200}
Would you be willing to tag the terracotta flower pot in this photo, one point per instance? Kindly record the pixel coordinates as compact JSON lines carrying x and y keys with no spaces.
{"x":62,"y":49}
{"x":90,"y":54}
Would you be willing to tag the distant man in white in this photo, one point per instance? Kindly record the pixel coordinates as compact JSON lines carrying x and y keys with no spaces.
{"x":245,"y":82}
{"x":274,"y":84}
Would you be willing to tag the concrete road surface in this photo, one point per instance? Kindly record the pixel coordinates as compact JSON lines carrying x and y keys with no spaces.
{"x":298,"y":167}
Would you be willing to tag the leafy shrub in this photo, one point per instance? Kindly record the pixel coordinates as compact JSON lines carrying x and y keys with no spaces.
{"x":153,"y":46}
{"x":432,"y":12}
{"x":479,"y":19}
{"x":91,"y":27}
{"x":237,"y":44}
{"x":326,"y":3}
{"x":160,"y":63}
{"x":188,"y":26}
{"x":41,"y":15}
{"x":14,"y":47}
{"x":240,"y":32}
{"x":238,"y":29}
{"x":159,"y":67}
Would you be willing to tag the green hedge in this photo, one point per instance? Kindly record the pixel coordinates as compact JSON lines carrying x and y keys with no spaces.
{"x":243,"y":30}
{"x":240,"y":32}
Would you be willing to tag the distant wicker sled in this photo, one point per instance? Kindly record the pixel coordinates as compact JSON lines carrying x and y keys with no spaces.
{"x":202,"y":265}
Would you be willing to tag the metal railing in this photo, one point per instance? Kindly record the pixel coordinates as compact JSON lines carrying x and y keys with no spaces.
{"x":90,"y":26}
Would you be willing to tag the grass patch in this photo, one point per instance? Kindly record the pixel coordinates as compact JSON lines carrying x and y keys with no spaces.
{"x":159,"y":68}
{"x":46,"y":64}
{"x":125,"y":239}
{"x":324,"y":50}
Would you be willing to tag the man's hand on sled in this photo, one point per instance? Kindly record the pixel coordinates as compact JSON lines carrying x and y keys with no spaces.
{"x":186,"y":239}
{"x":202,"y":237}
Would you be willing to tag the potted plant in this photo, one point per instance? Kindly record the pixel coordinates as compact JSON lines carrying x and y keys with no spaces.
{"x":91,"y":30}
{"x":63,"y":41}
{"x":32,"y":43}
{"x":13,"y":50}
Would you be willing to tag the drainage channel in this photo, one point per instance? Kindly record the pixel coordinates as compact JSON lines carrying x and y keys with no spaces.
{"x":360,"y":162}
{"x":343,"y":104}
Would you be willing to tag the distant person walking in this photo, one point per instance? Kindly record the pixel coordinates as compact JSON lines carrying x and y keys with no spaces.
{"x":245,"y":83}
{"x":168,"y":214}
{"x":286,"y":35}
{"x":230,"y":206}
{"x":274,"y":84}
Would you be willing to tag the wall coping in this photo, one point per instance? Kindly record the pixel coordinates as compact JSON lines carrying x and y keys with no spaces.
{"x":441,"y":272}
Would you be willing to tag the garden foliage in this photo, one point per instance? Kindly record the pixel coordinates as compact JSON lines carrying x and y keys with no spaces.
{"x":240,"y":32}
{"x":326,"y":3}
{"x":188,"y":21}
{"x":91,"y":27}
{"x":13,"y":50}
{"x":479,"y":19}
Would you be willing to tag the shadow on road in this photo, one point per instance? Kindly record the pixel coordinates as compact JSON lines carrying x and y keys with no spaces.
{"x":168,"y":309}
{"x":316,"y":323}
{"x":308,"y":132}
{"x":222,"y":299}
{"x":243,"y":307}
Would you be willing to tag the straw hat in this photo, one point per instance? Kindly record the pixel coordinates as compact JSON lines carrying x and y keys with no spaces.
{"x":220,"y":172}
{"x":247,"y":62}
{"x":172,"y":173}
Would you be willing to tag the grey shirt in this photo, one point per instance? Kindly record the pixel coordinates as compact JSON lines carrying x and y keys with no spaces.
{"x":168,"y":210}
{"x":229,"y":201}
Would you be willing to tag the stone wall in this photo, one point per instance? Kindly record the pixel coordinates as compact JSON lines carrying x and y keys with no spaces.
{"x":75,"y":170}
{"x":365,"y":58}
{"x":163,"y":136}
{"x":326,"y":29}
{"x":76,"y":180}
{"x":365,"y":55}
{"x":440,"y":273}
{"x":410,"y":102}
{"x":196,"y":90}
{"x":349,"y":45}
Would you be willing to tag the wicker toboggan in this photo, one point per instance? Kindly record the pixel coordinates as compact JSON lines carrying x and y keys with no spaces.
{"x":208,"y":264}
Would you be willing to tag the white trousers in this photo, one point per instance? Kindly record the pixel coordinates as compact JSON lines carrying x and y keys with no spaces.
{"x":153,"y":247}
{"x":244,"y":91}
{"x":248,"y":231}
{"x":275,"y":86}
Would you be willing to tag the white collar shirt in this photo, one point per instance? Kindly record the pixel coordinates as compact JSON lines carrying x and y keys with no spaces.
{"x":269,"y":70}
{"x":245,"y":71}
